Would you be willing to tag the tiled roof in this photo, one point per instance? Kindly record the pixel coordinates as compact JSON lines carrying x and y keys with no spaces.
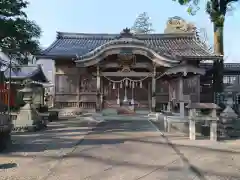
{"x":227,"y":66}
{"x":33,"y":72}
{"x":80,"y":44}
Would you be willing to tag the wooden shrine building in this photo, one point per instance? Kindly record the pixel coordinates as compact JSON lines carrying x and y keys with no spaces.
{"x":129,"y":71}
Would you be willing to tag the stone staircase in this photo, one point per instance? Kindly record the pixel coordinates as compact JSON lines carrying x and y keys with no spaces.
{"x":125,"y":111}
{"x":120,"y":109}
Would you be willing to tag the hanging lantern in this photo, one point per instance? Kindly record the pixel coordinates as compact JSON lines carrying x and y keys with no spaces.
{"x":121,"y":85}
{"x":140,"y":84}
{"x":125,"y":99}
{"x":118,"y":98}
{"x":114,"y":86}
{"x":126,"y":82}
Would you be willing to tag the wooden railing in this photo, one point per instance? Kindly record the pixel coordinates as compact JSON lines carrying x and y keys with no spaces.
{"x":87,"y":105}
{"x":65,"y":104}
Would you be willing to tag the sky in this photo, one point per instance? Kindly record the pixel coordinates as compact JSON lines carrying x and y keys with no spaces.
{"x":109,"y":16}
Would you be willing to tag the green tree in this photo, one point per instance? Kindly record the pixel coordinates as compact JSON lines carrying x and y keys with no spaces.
{"x":217,"y":10}
{"x":18,"y":35}
{"x":142,"y":24}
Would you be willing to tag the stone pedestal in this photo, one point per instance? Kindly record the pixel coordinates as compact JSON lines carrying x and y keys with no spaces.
{"x":182,"y":109}
{"x":166,"y":126}
{"x":153,"y":108}
{"x":213,"y":130}
{"x":227,"y":126}
{"x":192,"y":129}
{"x":28,"y":117}
{"x":181,"y":102}
{"x":196,"y":115}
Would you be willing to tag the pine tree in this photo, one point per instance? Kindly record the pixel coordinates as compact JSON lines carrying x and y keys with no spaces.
{"x":18,"y":35}
{"x":142,"y":24}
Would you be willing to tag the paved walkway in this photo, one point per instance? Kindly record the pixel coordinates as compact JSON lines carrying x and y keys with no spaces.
{"x":28,"y":156}
{"x":127,"y":150}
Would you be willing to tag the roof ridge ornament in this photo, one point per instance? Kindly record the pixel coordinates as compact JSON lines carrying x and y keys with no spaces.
{"x":126,"y":33}
{"x":177,"y":24}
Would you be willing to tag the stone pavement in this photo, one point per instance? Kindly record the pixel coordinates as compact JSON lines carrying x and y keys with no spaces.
{"x":28,"y":156}
{"x":212,"y":160}
{"x":121,"y":149}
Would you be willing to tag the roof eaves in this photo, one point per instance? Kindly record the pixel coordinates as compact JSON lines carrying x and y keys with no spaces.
{"x":69,"y":35}
{"x":36,"y":71}
{"x":55,"y":56}
{"x":45,"y":51}
{"x":41,"y":69}
{"x":213,"y":57}
{"x":203,"y":46}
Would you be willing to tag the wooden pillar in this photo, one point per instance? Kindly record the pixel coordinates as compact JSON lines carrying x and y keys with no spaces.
{"x":42,"y":95}
{"x":102,"y":93}
{"x":154,"y":89}
{"x":78,"y":88}
{"x":149,"y":96}
{"x":181,"y":100}
{"x":169,"y":96}
{"x":98,"y":104}
{"x":198,"y":88}
{"x":55,"y":83}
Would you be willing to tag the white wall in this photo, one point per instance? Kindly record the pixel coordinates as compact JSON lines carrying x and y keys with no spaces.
{"x":48,"y":69}
{"x":48,"y":66}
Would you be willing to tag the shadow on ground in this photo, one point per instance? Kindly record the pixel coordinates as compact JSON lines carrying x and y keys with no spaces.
{"x":64,"y":135}
{"x":8,"y":166}
{"x":41,"y":143}
{"x":201,"y":173}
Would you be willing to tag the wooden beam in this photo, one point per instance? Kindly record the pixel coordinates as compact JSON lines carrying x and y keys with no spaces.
{"x":117,"y":65}
{"x":126,"y":74}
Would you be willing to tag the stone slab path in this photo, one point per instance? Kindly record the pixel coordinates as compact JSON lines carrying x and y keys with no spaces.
{"x":117,"y":150}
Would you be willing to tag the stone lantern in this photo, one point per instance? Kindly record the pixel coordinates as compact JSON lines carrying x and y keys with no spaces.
{"x":28,"y":118}
{"x":27,"y":94}
{"x":227,"y":122}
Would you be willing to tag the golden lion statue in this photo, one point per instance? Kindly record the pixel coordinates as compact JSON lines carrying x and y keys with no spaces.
{"x":179,"y":25}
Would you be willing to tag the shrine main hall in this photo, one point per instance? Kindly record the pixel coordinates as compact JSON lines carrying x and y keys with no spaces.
{"x":130,"y":72}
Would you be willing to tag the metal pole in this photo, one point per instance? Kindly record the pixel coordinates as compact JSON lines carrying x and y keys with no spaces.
{"x":9,"y":87}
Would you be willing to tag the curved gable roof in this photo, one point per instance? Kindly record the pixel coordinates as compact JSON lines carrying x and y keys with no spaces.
{"x":70,"y":45}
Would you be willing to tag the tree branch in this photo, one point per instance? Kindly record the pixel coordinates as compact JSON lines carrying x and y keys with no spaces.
{"x":230,"y":1}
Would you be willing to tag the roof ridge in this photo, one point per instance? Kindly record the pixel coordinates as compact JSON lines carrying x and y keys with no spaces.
{"x":72,"y":35}
{"x":166,"y":35}
{"x":84,"y":35}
